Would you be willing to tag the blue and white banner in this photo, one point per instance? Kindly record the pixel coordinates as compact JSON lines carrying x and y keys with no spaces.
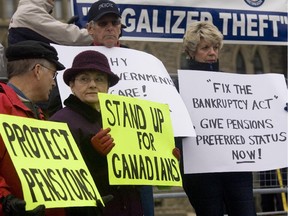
{"x":240,"y":21}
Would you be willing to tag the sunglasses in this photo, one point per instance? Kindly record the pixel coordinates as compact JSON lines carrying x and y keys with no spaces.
{"x":104,"y":23}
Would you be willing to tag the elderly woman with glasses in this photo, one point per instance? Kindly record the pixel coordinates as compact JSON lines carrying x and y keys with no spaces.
{"x":213,"y":193}
{"x":89,"y":75}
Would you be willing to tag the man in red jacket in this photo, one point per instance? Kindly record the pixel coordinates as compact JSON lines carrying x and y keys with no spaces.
{"x":32,"y":67}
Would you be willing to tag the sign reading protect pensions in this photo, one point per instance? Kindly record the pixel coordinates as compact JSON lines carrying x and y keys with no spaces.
{"x":143,"y":136}
{"x":48,"y":163}
{"x":240,"y":121}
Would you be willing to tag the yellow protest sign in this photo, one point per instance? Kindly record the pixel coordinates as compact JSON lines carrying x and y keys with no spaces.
{"x":144,"y":140}
{"x":48,"y":162}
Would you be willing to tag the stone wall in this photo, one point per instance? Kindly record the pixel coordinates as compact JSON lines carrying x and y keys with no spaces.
{"x":274,"y":58}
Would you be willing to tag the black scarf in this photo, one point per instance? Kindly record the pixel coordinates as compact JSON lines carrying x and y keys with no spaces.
{"x":194,"y":65}
{"x":82,"y":108}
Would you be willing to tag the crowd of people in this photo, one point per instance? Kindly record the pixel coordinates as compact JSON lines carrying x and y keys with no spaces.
{"x":29,"y":58}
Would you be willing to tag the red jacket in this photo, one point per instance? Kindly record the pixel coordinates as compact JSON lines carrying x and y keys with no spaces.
{"x":9,"y":182}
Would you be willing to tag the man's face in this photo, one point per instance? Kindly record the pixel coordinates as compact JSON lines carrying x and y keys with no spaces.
{"x":106,"y":30}
{"x":46,"y":81}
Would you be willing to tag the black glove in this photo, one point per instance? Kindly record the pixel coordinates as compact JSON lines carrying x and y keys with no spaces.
{"x":100,"y":207}
{"x":38,"y":211}
{"x":73,"y":20}
{"x":76,"y":21}
{"x":13,"y":206}
{"x":105,"y":199}
{"x":286,"y":107}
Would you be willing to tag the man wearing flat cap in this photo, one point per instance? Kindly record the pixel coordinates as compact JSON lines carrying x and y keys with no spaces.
{"x":32,"y":67}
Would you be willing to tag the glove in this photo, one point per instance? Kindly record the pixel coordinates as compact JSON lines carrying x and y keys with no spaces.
{"x":13,"y":206}
{"x":100,"y":207}
{"x":73,"y":20}
{"x":176,"y":152}
{"x":105,"y":200}
{"x":38,"y":211}
{"x":286,"y":107}
{"x":76,"y":21}
{"x":103,"y":142}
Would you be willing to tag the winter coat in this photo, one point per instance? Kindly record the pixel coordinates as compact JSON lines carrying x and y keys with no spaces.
{"x":199,"y":188}
{"x":11,"y":104}
{"x":84,"y":122}
{"x":193,"y":65}
{"x":33,"y":21}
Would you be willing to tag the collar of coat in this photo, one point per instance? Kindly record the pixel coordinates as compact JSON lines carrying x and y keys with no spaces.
{"x":194,"y":65}
{"x":82,"y":108}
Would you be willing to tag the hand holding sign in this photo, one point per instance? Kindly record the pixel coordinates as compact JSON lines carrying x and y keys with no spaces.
{"x":13,"y":206}
{"x":103,"y":142}
{"x":176,"y":152}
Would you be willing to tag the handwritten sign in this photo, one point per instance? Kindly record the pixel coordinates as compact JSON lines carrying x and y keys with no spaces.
{"x":141,"y":75}
{"x":143,"y":136}
{"x":240,"y":121}
{"x":48,"y":163}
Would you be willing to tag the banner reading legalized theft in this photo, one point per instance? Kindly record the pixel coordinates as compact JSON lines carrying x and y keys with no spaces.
{"x":50,"y":167}
{"x":143,"y":136}
{"x":240,"y":21}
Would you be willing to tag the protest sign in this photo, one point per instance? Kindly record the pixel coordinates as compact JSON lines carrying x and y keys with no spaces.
{"x":240,"y":121}
{"x":143,"y":137}
{"x":240,"y":21}
{"x":141,"y":75}
{"x":48,"y":163}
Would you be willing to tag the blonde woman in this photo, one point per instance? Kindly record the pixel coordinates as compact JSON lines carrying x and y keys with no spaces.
{"x":213,"y":194}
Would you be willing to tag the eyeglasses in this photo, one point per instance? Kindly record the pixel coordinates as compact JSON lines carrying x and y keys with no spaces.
{"x":104,"y":23}
{"x":100,"y":79}
{"x":55,"y":73}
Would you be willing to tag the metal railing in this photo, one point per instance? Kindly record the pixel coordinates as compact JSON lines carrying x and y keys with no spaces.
{"x":175,"y":195}
{"x":275,"y":184}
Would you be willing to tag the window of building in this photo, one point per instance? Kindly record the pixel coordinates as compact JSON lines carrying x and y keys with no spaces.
{"x":62,"y":9}
{"x":258,"y":65}
{"x":240,"y":64}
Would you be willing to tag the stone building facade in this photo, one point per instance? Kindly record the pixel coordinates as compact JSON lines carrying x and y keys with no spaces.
{"x":250,"y":59}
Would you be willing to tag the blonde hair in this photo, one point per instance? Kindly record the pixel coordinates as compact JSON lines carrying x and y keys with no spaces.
{"x":201,"y":30}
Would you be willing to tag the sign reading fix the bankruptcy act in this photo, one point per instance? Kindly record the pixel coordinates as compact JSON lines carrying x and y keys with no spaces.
{"x":240,"y":121}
